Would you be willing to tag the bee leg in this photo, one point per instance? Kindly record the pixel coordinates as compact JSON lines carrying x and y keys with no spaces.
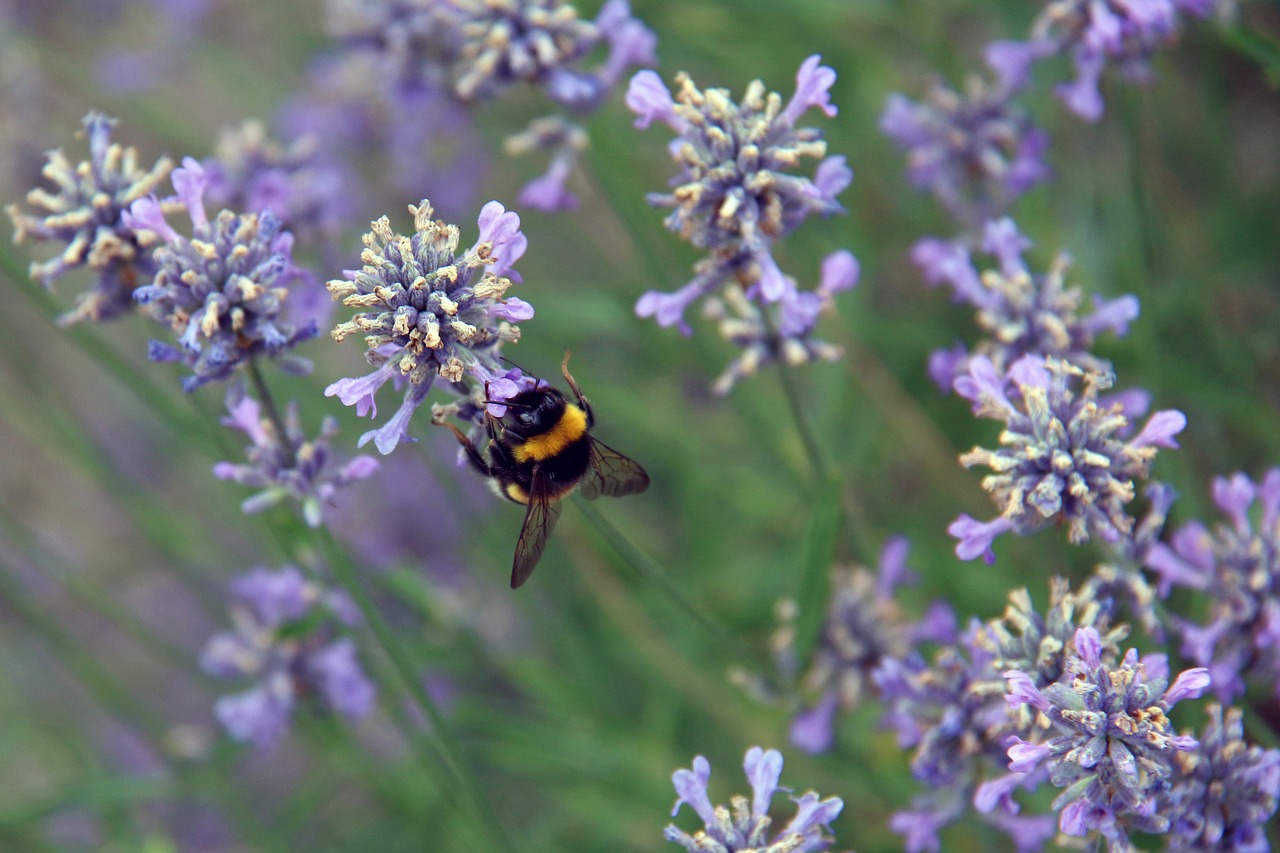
{"x":501,"y":456}
{"x":577,"y":392}
{"x":473,"y":455}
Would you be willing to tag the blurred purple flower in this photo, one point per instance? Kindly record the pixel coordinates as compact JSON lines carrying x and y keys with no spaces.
{"x":1237,"y":566}
{"x":419,"y":135}
{"x":311,"y":195}
{"x":85,"y":214}
{"x":289,"y":467}
{"x":1020,"y":312}
{"x":863,"y":626}
{"x":975,"y":151}
{"x":567,"y":140}
{"x":1096,"y":33}
{"x":1224,"y":792}
{"x":287,"y":640}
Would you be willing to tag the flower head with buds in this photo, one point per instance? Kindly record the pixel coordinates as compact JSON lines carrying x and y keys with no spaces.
{"x":502,"y":42}
{"x":746,"y":828}
{"x":289,"y":467}
{"x":221,"y":290}
{"x":1237,"y":565}
{"x":974,"y":150}
{"x":1063,"y":454}
{"x":736,"y":194}
{"x":288,"y":638}
{"x":1224,"y":791}
{"x":783,"y":331}
{"x":85,"y":213}
{"x":1115,"y":749}
{"x":428,"y":310}
{"x":1021,"y":313}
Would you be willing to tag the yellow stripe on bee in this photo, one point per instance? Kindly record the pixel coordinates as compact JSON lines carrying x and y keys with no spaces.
{"x":571,"y":427}
{"x":517,"y":494}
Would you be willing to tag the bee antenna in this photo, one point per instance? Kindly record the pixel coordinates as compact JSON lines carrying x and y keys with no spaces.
{"x":517,"y":367}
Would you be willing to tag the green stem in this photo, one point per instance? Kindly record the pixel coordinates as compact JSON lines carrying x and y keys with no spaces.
{"x":825,"y":474}
{"x":818,"y":461}
{"x":273,"y":412}
{"x":437,"y":734}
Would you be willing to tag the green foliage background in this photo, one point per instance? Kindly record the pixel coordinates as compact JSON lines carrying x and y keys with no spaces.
{"x":575,"y":698}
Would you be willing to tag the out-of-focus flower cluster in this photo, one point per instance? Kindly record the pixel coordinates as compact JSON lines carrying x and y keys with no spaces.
{"x":1095,"y":34}
{"x":290,"y":466}
{"x":863,"y":627}
{"x":1236,"y":566}
{"x":289,"y":639}
{"x":975,"y":150}
{"x":1020,"y":313}
{"x":425,"y":53}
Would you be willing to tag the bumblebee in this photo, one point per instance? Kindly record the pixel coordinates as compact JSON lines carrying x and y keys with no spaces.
{"x":539,"y":452}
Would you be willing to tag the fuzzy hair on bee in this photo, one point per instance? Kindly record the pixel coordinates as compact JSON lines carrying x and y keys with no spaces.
{"x":538,"y":452}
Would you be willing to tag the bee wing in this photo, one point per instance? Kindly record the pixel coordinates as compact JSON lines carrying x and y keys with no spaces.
{"x":539,"y":520}
{"x":612,"y":474}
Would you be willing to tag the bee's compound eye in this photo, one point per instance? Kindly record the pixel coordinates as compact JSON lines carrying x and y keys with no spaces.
{"x":525,"y":417}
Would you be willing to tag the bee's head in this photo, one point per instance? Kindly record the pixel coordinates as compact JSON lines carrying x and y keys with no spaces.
{"x":534,"y":412}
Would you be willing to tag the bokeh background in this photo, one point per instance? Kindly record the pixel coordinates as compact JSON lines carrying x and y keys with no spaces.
{"x":575,"y":698}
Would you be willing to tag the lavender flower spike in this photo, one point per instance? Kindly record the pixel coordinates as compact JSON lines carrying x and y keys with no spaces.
{"x":1062,"y":454}
{"x":290,"y":466}
{"x":222,"y":290}
{"x":503,"y":42}
{"x":974,"y":150}
{"x":745,"y":830}
{"x":735,"y":196}
{"x":1021,"y":312}
{"x":784,"y":331}
{"x":427,"y":310}
{"x":1225,"y":791}
{"x":1115,"y":748}
{"x":85,"y":213}
{"x":1237,"y":566}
